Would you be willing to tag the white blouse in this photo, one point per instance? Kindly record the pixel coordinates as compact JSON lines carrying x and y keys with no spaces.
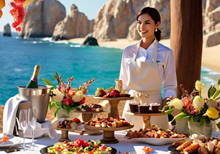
{"x":165,"y":65}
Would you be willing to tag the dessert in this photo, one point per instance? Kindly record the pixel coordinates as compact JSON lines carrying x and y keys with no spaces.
{"x":155,"y":132}
{"x":92,"y":107}
{"x":204,"y":146}
{"x":110,"y":93}
{"x":155,"y":107}
{"x":79,"y":147}
{"x":133,"y":106}
{"x":108,"y":122}
{"x":144,"y":108}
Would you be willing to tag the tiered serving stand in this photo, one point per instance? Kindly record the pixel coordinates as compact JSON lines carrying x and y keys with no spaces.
{"x":86,"y":116}
{"x":146,"y":117}
{"x":113,"y":102}
{"x":64,"y":134}
{"x":108,"y":133}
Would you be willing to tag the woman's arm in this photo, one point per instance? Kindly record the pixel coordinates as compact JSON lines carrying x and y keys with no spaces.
{"x":123,"y":72}
{"x":170,"y":80}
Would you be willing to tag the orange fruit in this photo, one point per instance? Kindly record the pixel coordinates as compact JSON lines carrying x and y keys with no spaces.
{"x":1,"y":13}
{"x":2,"y":4}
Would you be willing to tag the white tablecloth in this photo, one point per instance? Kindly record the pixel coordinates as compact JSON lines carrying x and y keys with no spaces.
{"x":122,"y":146}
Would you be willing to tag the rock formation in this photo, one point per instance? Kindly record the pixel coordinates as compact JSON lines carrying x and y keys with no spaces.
{"x":90,"y":41}
{"x":116,"y":19}
{"x":73,"y":25}
{"x":212,"y":38}
{"x":211,"y":22}
{"x":7,"y":30}
{"x":41,"y":18}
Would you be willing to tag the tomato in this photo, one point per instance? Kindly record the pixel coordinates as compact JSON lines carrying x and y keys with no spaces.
{"x":57,"y":148}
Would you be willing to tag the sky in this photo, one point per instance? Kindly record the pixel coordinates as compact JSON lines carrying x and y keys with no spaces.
{"x":89,"y":7}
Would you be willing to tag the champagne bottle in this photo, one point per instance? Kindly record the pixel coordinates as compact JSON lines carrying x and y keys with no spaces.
{"x":33,"y":83}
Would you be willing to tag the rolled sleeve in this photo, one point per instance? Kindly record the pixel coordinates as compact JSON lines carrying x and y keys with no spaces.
{"x":123,"y":72}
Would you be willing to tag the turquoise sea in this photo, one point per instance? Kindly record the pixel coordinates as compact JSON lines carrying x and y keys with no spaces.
{"x":19,"y":56}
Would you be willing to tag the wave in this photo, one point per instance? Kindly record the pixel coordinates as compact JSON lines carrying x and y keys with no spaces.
{"x":76,"y":46}
{"x":17,"y":69}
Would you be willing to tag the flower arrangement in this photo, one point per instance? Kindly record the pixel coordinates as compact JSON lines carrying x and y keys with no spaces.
{"x":66,"y":97}
{"x":194,"y":106}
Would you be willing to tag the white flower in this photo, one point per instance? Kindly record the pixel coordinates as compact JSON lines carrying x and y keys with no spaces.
{"x":198,"y":102}
{"x":212,"y":103}
{"x":58,"y":95}
{"x":78,"y":96}
{"x":178,"y":104}
{"x":199,"y":85}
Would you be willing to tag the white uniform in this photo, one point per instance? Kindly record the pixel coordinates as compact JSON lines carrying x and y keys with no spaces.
{"x":143,"y":72}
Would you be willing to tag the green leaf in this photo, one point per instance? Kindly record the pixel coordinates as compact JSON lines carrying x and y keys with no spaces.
{"x":217,"y":98}
{"x":55,"y":113}
{"x":219,"y":82}
{"x":202,"y":121}
{"x":216,"y":94}
{"x":178,"y":115}
{"x":218,"y":125}
{"x":169,"y":111}
{"x":47,"y":82}
{"x":53,"y":104}
{"x":164,"y":108}
{"x":183,"y":117}
{"x":211,"y":91}
{"x":195,"y":118}
{"x":207,"y":120}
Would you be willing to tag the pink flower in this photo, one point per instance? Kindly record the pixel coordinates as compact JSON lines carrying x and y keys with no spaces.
{"x":82,"y":101}
{"x":70,"y":100}
{"x":63,"y":84}
{"x":59,"y":88}
{"x":66,"y":101}
{"x":85,"y":91}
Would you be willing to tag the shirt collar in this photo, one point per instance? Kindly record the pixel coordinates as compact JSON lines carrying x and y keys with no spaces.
{"x":151,"y":46}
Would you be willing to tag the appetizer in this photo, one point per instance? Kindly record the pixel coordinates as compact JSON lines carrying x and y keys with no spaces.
{"x":79,"y":147}
{"x":155,"y":132}
{"x":108,"y":122}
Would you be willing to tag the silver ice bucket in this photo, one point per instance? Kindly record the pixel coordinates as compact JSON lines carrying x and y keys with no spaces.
{"x":39,"y":99}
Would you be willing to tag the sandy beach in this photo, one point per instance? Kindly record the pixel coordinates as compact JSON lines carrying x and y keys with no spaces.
{"x":210,"y":55}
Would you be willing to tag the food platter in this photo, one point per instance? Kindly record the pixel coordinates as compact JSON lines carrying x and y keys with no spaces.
{"x":115,"y":98}
{"x":145,"y":114}
{"x":89,"y":111}
{"x":155,"y":141}
{"x":44,"y":150}
{"x":11,"y":141}
{"x":172,"y":148}
{"x":109,"y":128}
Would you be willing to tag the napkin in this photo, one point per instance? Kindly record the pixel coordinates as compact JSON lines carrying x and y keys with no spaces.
{"x":9,"y":117}
{"x":9,"y":114}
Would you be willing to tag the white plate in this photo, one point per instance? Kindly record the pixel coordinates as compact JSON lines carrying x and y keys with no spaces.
{"x":156,"y":141}
{"x":11,"y":141}
{"x":138,"y":150}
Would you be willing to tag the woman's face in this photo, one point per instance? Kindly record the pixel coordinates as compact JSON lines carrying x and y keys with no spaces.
{"x":146,"y":26}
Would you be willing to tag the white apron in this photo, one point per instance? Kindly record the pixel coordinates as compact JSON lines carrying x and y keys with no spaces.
{"x":145,"y":84}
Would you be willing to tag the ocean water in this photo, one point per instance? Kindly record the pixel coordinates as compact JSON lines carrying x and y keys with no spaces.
{"x":19,"y":56}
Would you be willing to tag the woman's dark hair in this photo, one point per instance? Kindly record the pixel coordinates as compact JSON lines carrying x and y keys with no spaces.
{"x":155,"y":15}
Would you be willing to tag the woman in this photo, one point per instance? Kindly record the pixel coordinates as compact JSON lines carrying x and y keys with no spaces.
{"x":146,"y":66}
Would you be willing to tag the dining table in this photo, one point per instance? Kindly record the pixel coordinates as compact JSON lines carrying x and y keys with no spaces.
{"x":124,"y":145}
